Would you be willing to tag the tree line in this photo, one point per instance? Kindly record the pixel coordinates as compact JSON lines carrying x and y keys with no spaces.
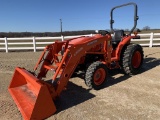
{"x":44,"y":34}
{"x":55,"y":34}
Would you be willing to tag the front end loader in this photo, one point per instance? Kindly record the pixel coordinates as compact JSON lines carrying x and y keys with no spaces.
{"x":94,"y":55}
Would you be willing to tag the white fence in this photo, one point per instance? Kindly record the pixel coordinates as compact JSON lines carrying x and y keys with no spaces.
{"x":148,"y":39}
{"x":39,"y":43}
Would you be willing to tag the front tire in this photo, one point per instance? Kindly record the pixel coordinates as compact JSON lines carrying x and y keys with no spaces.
{"x":132,"y":59}
{"x":96,"y":75}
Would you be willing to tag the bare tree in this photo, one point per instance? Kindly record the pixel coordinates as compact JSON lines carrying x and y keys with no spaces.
{"x":146,"y":28}
{"x":126,"y":30}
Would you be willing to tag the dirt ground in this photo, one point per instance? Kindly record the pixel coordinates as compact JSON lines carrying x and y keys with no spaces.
{"x":124,"y":97}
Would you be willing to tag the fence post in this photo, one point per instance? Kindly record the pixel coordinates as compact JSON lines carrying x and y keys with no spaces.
{"x":34,"y":44}
{"x":6,"y":44}
{"x":151,"y":40}
{"x":62,"y":37}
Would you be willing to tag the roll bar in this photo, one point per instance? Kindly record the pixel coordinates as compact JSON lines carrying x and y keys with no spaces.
{"x":135,"y":15}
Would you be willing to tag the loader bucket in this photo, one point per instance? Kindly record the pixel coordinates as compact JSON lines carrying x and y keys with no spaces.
{"x":32,"y":97}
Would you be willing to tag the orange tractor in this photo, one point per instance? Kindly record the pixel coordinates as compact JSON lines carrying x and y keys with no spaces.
{"x":94,"y":55}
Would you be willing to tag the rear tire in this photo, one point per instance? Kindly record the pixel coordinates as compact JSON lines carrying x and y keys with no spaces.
{"x":96,"y":75}
{"x":132,"y":59}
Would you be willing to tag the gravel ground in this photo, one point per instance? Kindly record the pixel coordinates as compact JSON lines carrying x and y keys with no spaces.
{"x":124,"y":97}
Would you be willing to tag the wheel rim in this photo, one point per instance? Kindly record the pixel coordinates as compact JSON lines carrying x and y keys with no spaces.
{"x":136,"y":59}
{"x":99,"y":76}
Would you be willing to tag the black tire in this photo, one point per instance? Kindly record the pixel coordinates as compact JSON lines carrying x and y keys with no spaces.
{"x":132,"y":59}
{"x":96,"y":75}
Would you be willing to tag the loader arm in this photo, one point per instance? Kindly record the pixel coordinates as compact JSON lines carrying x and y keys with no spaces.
{"x":74,"y":50}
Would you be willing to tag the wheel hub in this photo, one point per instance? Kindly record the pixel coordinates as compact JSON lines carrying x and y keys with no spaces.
{"x":136,"y":59}
{"x":99,"y":76}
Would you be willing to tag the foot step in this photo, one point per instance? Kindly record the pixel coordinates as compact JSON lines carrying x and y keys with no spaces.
{"x":50,"y":67}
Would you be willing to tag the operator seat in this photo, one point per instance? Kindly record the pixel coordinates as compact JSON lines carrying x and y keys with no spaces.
{"x":117,"y":37}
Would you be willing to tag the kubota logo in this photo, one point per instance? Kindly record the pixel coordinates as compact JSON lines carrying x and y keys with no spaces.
{"x":90,"y":43}
{"x":79,"y":50}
